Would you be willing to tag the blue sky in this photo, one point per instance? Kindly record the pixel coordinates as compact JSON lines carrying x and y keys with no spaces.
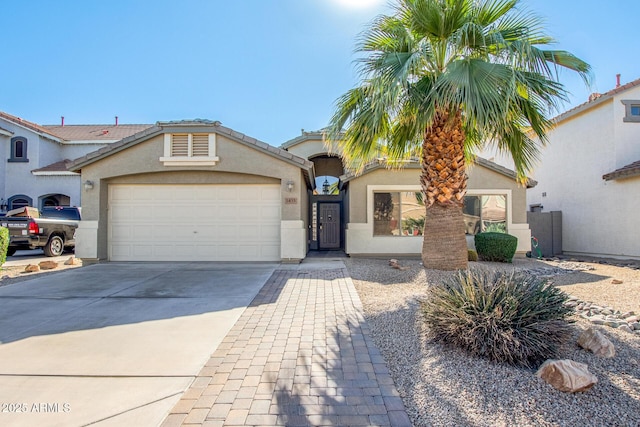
{"x":267,"y":68}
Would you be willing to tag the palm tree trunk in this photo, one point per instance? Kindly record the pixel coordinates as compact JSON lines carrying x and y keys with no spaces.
{"x":444,"y":184}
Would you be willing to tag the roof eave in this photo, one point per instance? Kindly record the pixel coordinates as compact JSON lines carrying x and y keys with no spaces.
{"x":613,"y":176}
{"x":77,"y":164}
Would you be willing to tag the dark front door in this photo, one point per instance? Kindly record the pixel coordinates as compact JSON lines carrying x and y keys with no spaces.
{"x":329,"y":225}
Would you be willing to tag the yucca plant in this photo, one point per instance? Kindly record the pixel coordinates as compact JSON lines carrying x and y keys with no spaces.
{"x":506,"y":316}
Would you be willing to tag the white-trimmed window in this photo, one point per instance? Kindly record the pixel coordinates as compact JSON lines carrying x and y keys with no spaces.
{"x":398,"y":213}
{"x":189,"y":149}
{"x":398,"y":210}
{"x":485,"y":212}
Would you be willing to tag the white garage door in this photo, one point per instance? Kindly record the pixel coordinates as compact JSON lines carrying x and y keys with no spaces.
{"x":194,"y":222}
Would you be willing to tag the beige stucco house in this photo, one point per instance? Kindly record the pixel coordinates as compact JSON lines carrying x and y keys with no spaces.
{"x":198,"y":191}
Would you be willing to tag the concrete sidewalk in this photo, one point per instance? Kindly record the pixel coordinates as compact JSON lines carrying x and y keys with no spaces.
{"x":300,"y":355}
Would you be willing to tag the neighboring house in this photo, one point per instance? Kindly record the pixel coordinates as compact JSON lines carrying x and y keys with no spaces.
{"x":35,"y":170}
{"x":590,"y":171}
{"x":198,"y":191}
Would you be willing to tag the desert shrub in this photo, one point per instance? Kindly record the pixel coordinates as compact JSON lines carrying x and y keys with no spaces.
{"x":4,"y":244}
{"x":472,"y":255}
{"x":506,"y":317}
{"x":495,"y":227}
{"x":499,"y":247}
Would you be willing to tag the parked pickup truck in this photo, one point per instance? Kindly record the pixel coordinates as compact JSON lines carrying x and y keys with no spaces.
{"x":53,"y":229}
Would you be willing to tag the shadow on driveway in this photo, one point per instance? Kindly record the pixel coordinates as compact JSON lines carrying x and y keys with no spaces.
{"x":103,"y":295}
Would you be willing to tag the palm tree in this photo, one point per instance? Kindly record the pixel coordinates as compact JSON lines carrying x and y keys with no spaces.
{"x":440,"y":79}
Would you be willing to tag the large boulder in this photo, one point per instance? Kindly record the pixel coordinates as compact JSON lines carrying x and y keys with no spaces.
{"x":72,"y":261}
{"x":595,"y":341}
{"x":567,"y":375}
{"x":48,"y":265}
{"x":32,"y":268}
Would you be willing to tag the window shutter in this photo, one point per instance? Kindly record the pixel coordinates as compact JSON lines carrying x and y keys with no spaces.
{"x":180,"y":145}
{"x":200,"y":145}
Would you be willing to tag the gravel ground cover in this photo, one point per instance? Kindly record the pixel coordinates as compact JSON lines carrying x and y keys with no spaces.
{"x":442,"y":386}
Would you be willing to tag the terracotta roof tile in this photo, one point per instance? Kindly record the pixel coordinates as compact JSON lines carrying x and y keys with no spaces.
{"x":596,"y":99}
{"x":628,"y":171}
{"x":96,"y":132}
{"x":60,"y":166}
{"x":27,"y":124}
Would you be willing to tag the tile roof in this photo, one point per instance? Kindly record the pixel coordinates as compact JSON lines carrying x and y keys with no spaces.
{"x":596,"y":99}
{"x":29,"y":125}
{"x":415,"y":163}
{"x":60,"y":166}
{"x":628,"y":171}
{"x":306,"y":165}
{"x":96,"y":132}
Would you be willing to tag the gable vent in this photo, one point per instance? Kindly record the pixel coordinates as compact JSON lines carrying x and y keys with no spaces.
{"x":200,"y":145}
{"x":180,"y":145}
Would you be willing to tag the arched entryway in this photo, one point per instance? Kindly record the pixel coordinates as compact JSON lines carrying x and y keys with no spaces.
{"x":48,"y":200}
{"x":19,"y":201}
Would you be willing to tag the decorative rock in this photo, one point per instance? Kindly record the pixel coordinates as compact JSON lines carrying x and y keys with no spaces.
{"x":596,"y":321}
{"x":625,"y":328}
{"x":635,"y":326}
{"x":567,"y":375}
{"x":72,"y":261}
{"x":616,"y":282}
{"x":631,"y":319}
{"x":627,"y":314}
{"x":31,"y":268}
{"x":596,"y":342}
{"x":395,"y":264}
{"x":48,"y":265}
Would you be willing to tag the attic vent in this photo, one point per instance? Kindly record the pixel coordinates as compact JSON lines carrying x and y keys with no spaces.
{"x":200,"y":145}
{"x":179,"y":145}
{"x":189,"y":149}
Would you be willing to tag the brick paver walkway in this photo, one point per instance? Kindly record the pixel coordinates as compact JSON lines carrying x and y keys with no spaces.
{"x":300,"y":355}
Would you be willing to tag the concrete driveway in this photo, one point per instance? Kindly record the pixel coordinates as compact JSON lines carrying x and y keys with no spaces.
{"x":116,"y":343}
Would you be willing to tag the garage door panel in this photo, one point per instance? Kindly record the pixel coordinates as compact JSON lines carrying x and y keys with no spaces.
{"x":270,"y":211}
{"x":228,"y":193}
{"x":122,"y":252}
{"x":194,"y":222}
{"x":270,"y":251}
{"x":271,"y":193}
{"x":270,"y":234}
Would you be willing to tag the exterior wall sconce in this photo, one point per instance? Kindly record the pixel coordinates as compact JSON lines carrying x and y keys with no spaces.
{"x":325,"y":186}
{"x":290,"y":186}
{"x":88,"y":185}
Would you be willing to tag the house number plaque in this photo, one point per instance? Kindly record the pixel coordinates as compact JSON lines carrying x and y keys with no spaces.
{"x":290,"y":200}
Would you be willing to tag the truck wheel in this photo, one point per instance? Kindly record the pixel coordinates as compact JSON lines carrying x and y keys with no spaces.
{"x":54,"y":246}
{"x":11,"y":251}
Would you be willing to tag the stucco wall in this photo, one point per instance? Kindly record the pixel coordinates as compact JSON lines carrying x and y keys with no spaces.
{"x":359,"y":234}
{"x":238,"y":164}
{"x":481,"y":178}
{"x":309,"y":148}
{"x":599,"y":217}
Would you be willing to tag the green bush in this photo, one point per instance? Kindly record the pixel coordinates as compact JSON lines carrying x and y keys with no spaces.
{"x":4,"y":244}
{"x":505,"y":317}
{"x":472,"y":255}
{"x":499,"y":247}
